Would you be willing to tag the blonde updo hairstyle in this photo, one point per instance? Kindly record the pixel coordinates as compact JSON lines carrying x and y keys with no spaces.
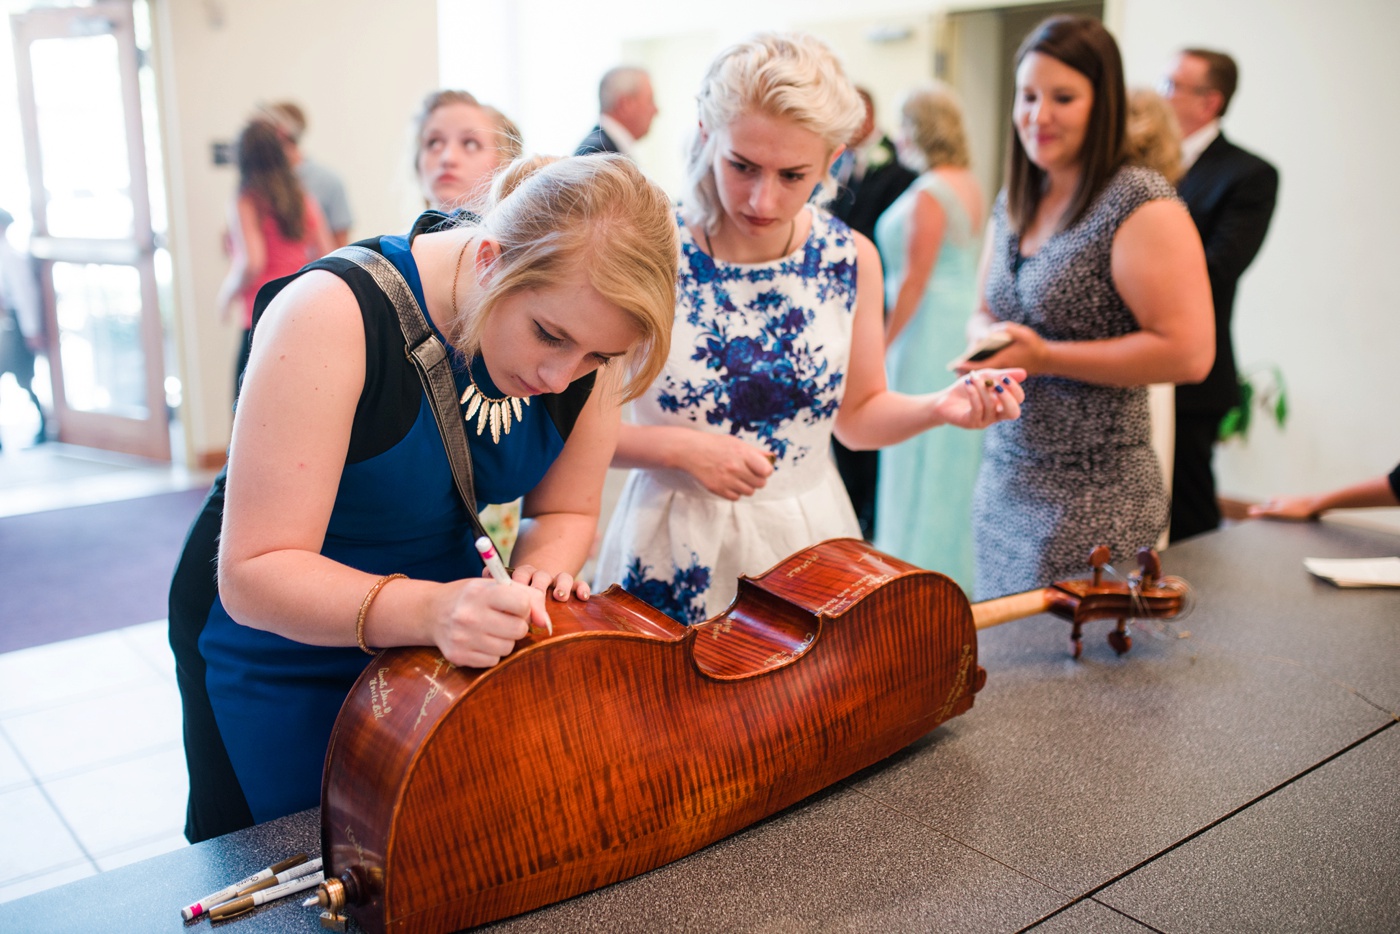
{"x":791,"y":76}
{"x":1153,"y":137}
{"x":599,"y":213}
{"x":509,"y":143}
{"x":934,"y":124}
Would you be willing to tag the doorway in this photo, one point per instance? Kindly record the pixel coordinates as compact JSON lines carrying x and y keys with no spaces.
{"x":81,"y":75}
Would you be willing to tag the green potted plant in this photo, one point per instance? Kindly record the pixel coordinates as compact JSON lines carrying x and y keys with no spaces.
{"x":1262,"y":389}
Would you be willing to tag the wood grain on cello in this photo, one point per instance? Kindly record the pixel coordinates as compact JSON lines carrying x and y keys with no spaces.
{"x":452,"y":797}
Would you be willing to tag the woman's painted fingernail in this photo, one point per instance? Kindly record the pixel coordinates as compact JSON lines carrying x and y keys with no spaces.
{"x":1006,"y":380}
{"x":1000,"y":389}
{"x":968,"y":380}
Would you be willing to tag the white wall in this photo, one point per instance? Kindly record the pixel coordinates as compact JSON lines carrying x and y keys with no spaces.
{"x":1317,"y":98}
{"x":358,"y":67}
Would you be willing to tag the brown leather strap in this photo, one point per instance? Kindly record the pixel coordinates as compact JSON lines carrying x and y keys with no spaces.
{"x":434,"y":367}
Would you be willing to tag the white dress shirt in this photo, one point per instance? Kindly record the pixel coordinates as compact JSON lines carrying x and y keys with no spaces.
{"x":1195,"y":144}
{"x":625,"y":141}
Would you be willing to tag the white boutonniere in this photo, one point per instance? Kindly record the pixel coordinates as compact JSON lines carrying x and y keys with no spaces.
{"x":878,"y":157}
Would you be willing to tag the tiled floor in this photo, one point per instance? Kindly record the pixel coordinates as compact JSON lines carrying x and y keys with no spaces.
{"x":92,"y":771}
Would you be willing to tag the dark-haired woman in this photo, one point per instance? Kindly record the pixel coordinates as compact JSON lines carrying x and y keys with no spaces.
{"x":274,"y":227}
{"x":1096,"y":271}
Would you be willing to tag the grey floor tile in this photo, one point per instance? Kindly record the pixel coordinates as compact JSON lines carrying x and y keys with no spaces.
{"x":59,"y":476}
{"x":13,"y":772}
{"x":1089,"y":917}
{"x":1316,"y":856}
{"x":1074,"y":772}
{"x":152,"y":642}
{"x":837,"y":862}
{"x":36,"y":838}
{"x":75,"y":870}
{"x":131,"y":802}
{"x":58,"y":673}
{"x":121,"y":723}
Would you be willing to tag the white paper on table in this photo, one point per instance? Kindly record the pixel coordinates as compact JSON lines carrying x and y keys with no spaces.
{"x":1356,"y":572}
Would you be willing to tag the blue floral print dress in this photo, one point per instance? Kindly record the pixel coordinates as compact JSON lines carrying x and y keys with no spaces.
{"x":758,"y":351}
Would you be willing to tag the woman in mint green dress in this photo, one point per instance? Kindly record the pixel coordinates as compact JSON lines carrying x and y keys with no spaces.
{"x":930,"y":241}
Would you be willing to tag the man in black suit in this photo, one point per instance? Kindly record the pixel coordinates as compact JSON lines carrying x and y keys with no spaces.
{"x":871,"y":179}
{"x":1230,"y":193}
{"x":625,"y":111}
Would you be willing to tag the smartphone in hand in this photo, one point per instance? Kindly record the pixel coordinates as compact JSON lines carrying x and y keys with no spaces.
{"x":983,"y":349}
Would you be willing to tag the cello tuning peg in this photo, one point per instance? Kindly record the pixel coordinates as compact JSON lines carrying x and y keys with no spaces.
{"x":1120,"y":639}
{"x":1098,"y":560}
{"x":1151,"y":564}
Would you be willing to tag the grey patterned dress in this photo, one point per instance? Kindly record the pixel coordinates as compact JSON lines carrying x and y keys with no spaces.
{"x":1077,"y":469}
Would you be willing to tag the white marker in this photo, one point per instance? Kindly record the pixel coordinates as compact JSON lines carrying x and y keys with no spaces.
{"x":296,"y":872}
{"x":190,"y":912}
{"x":497,"y":570}
{"x":493,"y":561}
{"x":248,"y":902}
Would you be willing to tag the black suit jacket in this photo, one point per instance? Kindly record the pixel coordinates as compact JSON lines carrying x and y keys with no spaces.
{"x":862,"y":202}
{"x":596,"y":141}
{"x":1231,"y":195}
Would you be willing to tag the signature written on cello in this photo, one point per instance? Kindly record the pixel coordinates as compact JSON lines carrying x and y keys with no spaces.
{"x":959,"y":683}
{"x":779,"y":657}
{"x":355,"y":842}
{"x":443,"y":666}
{"x":853,"y":592}
{"x":379,"y":690}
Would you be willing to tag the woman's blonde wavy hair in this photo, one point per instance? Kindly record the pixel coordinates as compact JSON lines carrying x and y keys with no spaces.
{"x":1153,"y":137}
{"x":598,"y":213}
{"x":788,"y":75}
{"x":934,"y":122}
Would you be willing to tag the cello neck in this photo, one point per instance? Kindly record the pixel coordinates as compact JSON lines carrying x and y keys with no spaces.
{"x":990,"y":613}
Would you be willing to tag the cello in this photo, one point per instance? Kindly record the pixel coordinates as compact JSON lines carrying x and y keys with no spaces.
{"x":625,"y":740}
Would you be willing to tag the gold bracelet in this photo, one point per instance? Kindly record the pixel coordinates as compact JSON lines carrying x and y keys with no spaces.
{"x":364,"y":610}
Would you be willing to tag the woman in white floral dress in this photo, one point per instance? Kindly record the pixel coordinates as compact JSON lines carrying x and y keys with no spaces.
{"x":778,"y":341}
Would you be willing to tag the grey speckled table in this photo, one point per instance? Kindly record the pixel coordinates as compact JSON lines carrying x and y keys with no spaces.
{"x":1233,"y":773}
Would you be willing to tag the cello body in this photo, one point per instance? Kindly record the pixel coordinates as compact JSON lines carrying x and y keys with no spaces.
{"x":455,"y":796}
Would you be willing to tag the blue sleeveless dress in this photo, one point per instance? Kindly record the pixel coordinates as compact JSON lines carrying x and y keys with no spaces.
{"x":259,"y":707}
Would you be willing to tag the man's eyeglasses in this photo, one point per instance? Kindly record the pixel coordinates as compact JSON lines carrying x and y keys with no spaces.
{"x":1167,"y":88}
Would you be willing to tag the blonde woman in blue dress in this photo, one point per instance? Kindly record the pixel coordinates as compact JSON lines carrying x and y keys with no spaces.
{"x":778,"y":342}
{"x":931,"y":239}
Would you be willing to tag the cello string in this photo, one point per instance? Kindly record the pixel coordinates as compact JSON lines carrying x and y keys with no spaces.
{"x":1139,"y":617}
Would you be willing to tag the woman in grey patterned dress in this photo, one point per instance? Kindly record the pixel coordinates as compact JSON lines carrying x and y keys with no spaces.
{"x":1097,"y":272}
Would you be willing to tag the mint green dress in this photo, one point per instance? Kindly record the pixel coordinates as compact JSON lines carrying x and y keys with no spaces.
{"x":923,"y":506}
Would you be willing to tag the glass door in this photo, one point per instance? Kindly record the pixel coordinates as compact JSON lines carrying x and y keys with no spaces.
{"x":80,"y":106}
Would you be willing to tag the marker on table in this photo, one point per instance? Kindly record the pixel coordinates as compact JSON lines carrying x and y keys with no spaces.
{"x":248,"y":902}
{"x":296,"y":872}
{"x":190,"y":912}
{"x":496,"y":569}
